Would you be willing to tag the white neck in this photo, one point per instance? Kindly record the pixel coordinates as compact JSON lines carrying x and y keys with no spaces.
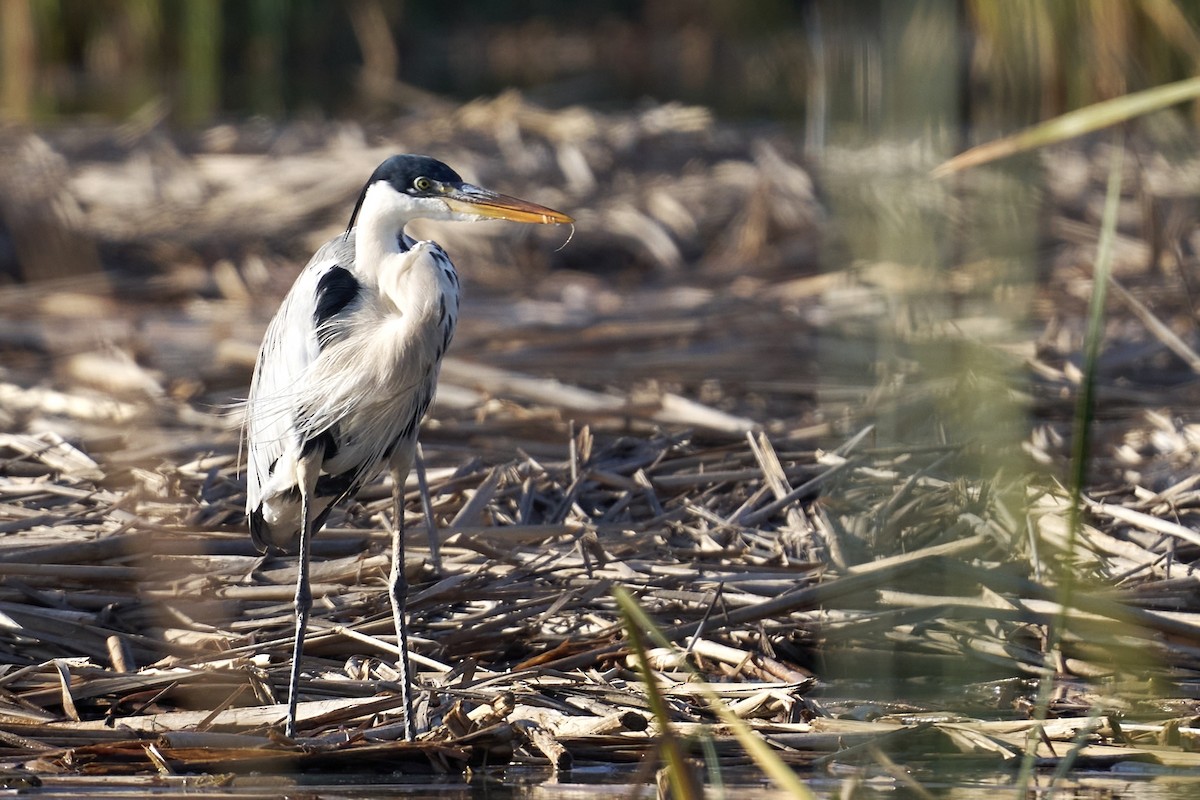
{"x":381,"y":221}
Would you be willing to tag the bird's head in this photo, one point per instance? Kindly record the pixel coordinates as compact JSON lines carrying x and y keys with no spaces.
{"x":409,"y":187}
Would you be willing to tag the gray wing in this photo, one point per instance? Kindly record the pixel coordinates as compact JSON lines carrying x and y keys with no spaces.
{"x":292,"y":342}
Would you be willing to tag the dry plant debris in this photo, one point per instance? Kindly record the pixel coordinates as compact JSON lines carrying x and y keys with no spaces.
{"x":141,"y":632}
{"x":670,"y":435}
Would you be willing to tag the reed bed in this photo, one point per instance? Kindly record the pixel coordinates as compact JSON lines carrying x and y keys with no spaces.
{"x":859,"y":598}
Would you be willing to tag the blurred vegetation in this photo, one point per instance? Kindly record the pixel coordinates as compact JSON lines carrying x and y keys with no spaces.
{"x":1014,"y":62}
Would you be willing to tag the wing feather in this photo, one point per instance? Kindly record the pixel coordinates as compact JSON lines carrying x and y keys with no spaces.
{"x":292,"y":343}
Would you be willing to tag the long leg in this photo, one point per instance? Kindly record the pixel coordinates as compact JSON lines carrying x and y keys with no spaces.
{"x":306,"y":475}
{"x":399,"y":591}
{"x":435,"y":545}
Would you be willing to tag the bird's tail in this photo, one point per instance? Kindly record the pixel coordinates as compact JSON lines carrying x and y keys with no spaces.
{"x":275,"y":522}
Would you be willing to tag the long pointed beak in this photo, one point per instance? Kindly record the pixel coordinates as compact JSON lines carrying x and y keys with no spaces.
{"x":468,"y":199}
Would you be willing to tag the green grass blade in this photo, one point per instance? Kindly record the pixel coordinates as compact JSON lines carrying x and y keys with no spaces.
{"x":1075,"y":123}
{"x":683,"y":783}
{"x":1084,"y":414}
{"x":765,"y":757}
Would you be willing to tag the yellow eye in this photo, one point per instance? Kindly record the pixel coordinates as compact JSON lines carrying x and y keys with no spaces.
{"x":422,"y":184}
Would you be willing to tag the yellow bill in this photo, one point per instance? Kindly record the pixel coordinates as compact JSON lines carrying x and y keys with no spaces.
{"x":468,"y":199}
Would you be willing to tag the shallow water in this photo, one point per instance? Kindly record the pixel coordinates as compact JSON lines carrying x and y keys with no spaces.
{"x":1134,"y":780}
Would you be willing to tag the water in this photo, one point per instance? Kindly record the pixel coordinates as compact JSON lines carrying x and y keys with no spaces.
{"x":588,"y":783}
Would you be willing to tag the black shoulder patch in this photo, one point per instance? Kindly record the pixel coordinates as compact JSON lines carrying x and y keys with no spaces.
{"x":336,"y":290}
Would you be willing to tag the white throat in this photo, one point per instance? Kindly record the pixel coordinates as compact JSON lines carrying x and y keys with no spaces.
{"x":381,"y":222}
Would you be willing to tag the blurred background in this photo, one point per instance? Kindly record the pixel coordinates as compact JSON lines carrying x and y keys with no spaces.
{"x":759,"y":244}
{"x":813,"y":63}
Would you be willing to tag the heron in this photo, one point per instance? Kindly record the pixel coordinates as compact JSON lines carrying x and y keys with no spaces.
{"x":347,"y":370}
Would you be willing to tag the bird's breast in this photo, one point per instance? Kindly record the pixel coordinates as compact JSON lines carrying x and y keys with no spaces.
{"x":420,"y":283}
{"x":374,"y":383}
{"x":417,"y":304}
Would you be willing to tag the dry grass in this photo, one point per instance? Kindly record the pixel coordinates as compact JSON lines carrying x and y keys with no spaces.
{"x":686,"y":447}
